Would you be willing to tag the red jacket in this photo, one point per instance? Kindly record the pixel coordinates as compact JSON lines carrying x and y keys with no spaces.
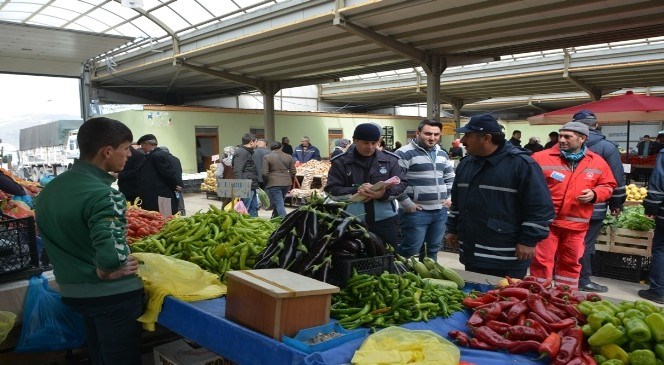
{"x":565,"y":185}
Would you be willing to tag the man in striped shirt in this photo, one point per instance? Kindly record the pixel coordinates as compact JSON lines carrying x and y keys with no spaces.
{"x":430,"y":174}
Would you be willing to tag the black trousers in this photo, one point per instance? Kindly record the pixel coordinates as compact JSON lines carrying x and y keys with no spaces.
{"x":386,"y":230}
{"x":586,"y":260}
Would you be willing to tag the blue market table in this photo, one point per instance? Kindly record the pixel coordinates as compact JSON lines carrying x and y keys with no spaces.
{"x":205,"y":323}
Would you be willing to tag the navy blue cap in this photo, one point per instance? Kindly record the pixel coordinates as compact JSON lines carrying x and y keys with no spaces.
{"x":586,"y":117}
{"x":367,"y":132}
{"x":481,"y":123}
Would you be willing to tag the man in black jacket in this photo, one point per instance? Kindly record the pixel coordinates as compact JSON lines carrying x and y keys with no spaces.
{"x":128,"y":183}
{"x":244,"y":167}
{"x":157,"y":176}
{"x":501,"y":204}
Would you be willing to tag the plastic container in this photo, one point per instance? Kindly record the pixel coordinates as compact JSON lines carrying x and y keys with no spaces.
{"x":342,"y":269}
{"x":619,"y":266}
{"x":301,"y":341}
{"x":19,"y":258}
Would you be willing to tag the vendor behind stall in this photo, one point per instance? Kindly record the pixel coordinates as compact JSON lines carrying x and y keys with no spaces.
{"x":357,"y":170}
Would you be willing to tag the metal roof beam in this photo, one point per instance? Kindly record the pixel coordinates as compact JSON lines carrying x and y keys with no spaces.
{"x":594,"y":93}
{"x":386,"y":42}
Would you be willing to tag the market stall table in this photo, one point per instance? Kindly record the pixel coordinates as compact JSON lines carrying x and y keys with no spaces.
{"x":205,"y":322}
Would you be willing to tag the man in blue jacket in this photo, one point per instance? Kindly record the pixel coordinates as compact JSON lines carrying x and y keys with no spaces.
{"x":501,"y":205}
{"x":654,"y":208}
{"x":597,"y":143}
{"x":305,"y":151}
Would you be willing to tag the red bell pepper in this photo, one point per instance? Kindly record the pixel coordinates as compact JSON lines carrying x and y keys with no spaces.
{"x":574,"y":312}
{"x":516,"y":310}
{"x":524,"y":333}
{"x":555,"y":310}
{"x":551,"y":345}
{"x":499,"y":327}
{"x":519,"y":293}
{"x":521,"y":347}
{"x":567,"y":351}
{"x":536,"y":325}
{"x":477,"y":344}
{"x":562,"y":325}
{"x":536,"y":303}
{"x":535,"y":317}
{"x":491,"y":338}
{"x":532,"y":286}
{"x":460,"y":337}
{"x":469,"y":302}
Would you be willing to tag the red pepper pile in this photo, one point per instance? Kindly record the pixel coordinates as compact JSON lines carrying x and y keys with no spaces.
{"x":142,"y":223}
{"x":526,"y":317}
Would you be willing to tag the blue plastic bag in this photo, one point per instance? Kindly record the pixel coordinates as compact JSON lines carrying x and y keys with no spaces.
{"x":48,"y":324}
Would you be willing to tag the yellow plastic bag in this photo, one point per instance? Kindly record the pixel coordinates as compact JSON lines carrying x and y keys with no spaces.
{"x":165,"y":275}
{"x":397,"y":345}
{"x":7,"y":320}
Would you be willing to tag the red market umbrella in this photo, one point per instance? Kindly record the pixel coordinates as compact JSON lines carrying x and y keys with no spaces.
{"x":615,"y":110}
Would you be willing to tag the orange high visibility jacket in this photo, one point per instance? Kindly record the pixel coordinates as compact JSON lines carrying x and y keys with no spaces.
{"x":592,"y":172}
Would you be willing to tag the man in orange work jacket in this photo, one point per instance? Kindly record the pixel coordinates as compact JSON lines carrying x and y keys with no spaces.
{"x":577,"y":178}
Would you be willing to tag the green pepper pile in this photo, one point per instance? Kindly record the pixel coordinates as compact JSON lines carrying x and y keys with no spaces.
{"x":627,"y":333}
{"x":391,"y":299}
{"x":216,"y":240}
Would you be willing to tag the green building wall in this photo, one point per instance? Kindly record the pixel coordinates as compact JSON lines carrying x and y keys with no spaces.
{"x":175,"y":127}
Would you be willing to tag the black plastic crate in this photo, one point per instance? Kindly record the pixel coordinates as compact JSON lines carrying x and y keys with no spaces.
{"x":619,"y":266}
{"x":342,"y":269}
{"x":19,"y":258}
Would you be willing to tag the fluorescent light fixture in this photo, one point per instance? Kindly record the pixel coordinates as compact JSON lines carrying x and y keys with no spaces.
{"x":132,"y":3}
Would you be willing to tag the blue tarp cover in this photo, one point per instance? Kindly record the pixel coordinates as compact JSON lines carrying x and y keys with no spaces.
{"x":205,"y":323}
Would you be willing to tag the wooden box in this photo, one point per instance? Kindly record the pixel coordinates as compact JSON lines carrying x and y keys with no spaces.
{"x":277,"y":302}
{"x":603,"y":242}
{"x":627,"y":241}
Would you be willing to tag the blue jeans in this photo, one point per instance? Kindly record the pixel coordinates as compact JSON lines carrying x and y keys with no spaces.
{"x":419,"y":227}
{"x":112,"y":331}
{"x":276,"y":195}
{"x":251,"y":204}
{"x":657,"y":264}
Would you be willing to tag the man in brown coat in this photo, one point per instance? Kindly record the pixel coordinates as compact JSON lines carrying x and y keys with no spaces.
{"x":278,"y":173}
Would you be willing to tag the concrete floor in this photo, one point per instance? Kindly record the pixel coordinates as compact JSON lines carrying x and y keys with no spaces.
{"x":618,"y":289}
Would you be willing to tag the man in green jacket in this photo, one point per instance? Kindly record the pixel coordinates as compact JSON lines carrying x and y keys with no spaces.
{"x":81,"y":219}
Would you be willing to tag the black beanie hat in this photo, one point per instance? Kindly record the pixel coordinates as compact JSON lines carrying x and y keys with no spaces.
{"x":367,"y":132}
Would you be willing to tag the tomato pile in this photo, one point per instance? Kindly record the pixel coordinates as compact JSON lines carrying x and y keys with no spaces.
{"x":639,"y":160}
{"x":142,"y":223}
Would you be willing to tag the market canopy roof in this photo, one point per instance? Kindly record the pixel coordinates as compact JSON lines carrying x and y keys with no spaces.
{"x":621,"y":109}
{"x":185,"y":55}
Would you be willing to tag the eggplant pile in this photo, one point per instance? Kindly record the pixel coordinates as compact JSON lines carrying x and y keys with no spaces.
{"x":310,"y":237}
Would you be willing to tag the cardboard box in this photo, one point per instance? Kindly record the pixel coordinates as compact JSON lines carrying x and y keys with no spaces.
{"x":182,"y":352}
{"x":277,"y":302}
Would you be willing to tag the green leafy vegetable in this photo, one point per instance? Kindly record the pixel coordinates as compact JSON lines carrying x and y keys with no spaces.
{"x":634,"y":218}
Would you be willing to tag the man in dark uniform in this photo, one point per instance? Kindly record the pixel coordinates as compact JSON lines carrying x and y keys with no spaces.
{"x":357,"y":170}
{"x":128,"y":178}
{"x":157,"y":176}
